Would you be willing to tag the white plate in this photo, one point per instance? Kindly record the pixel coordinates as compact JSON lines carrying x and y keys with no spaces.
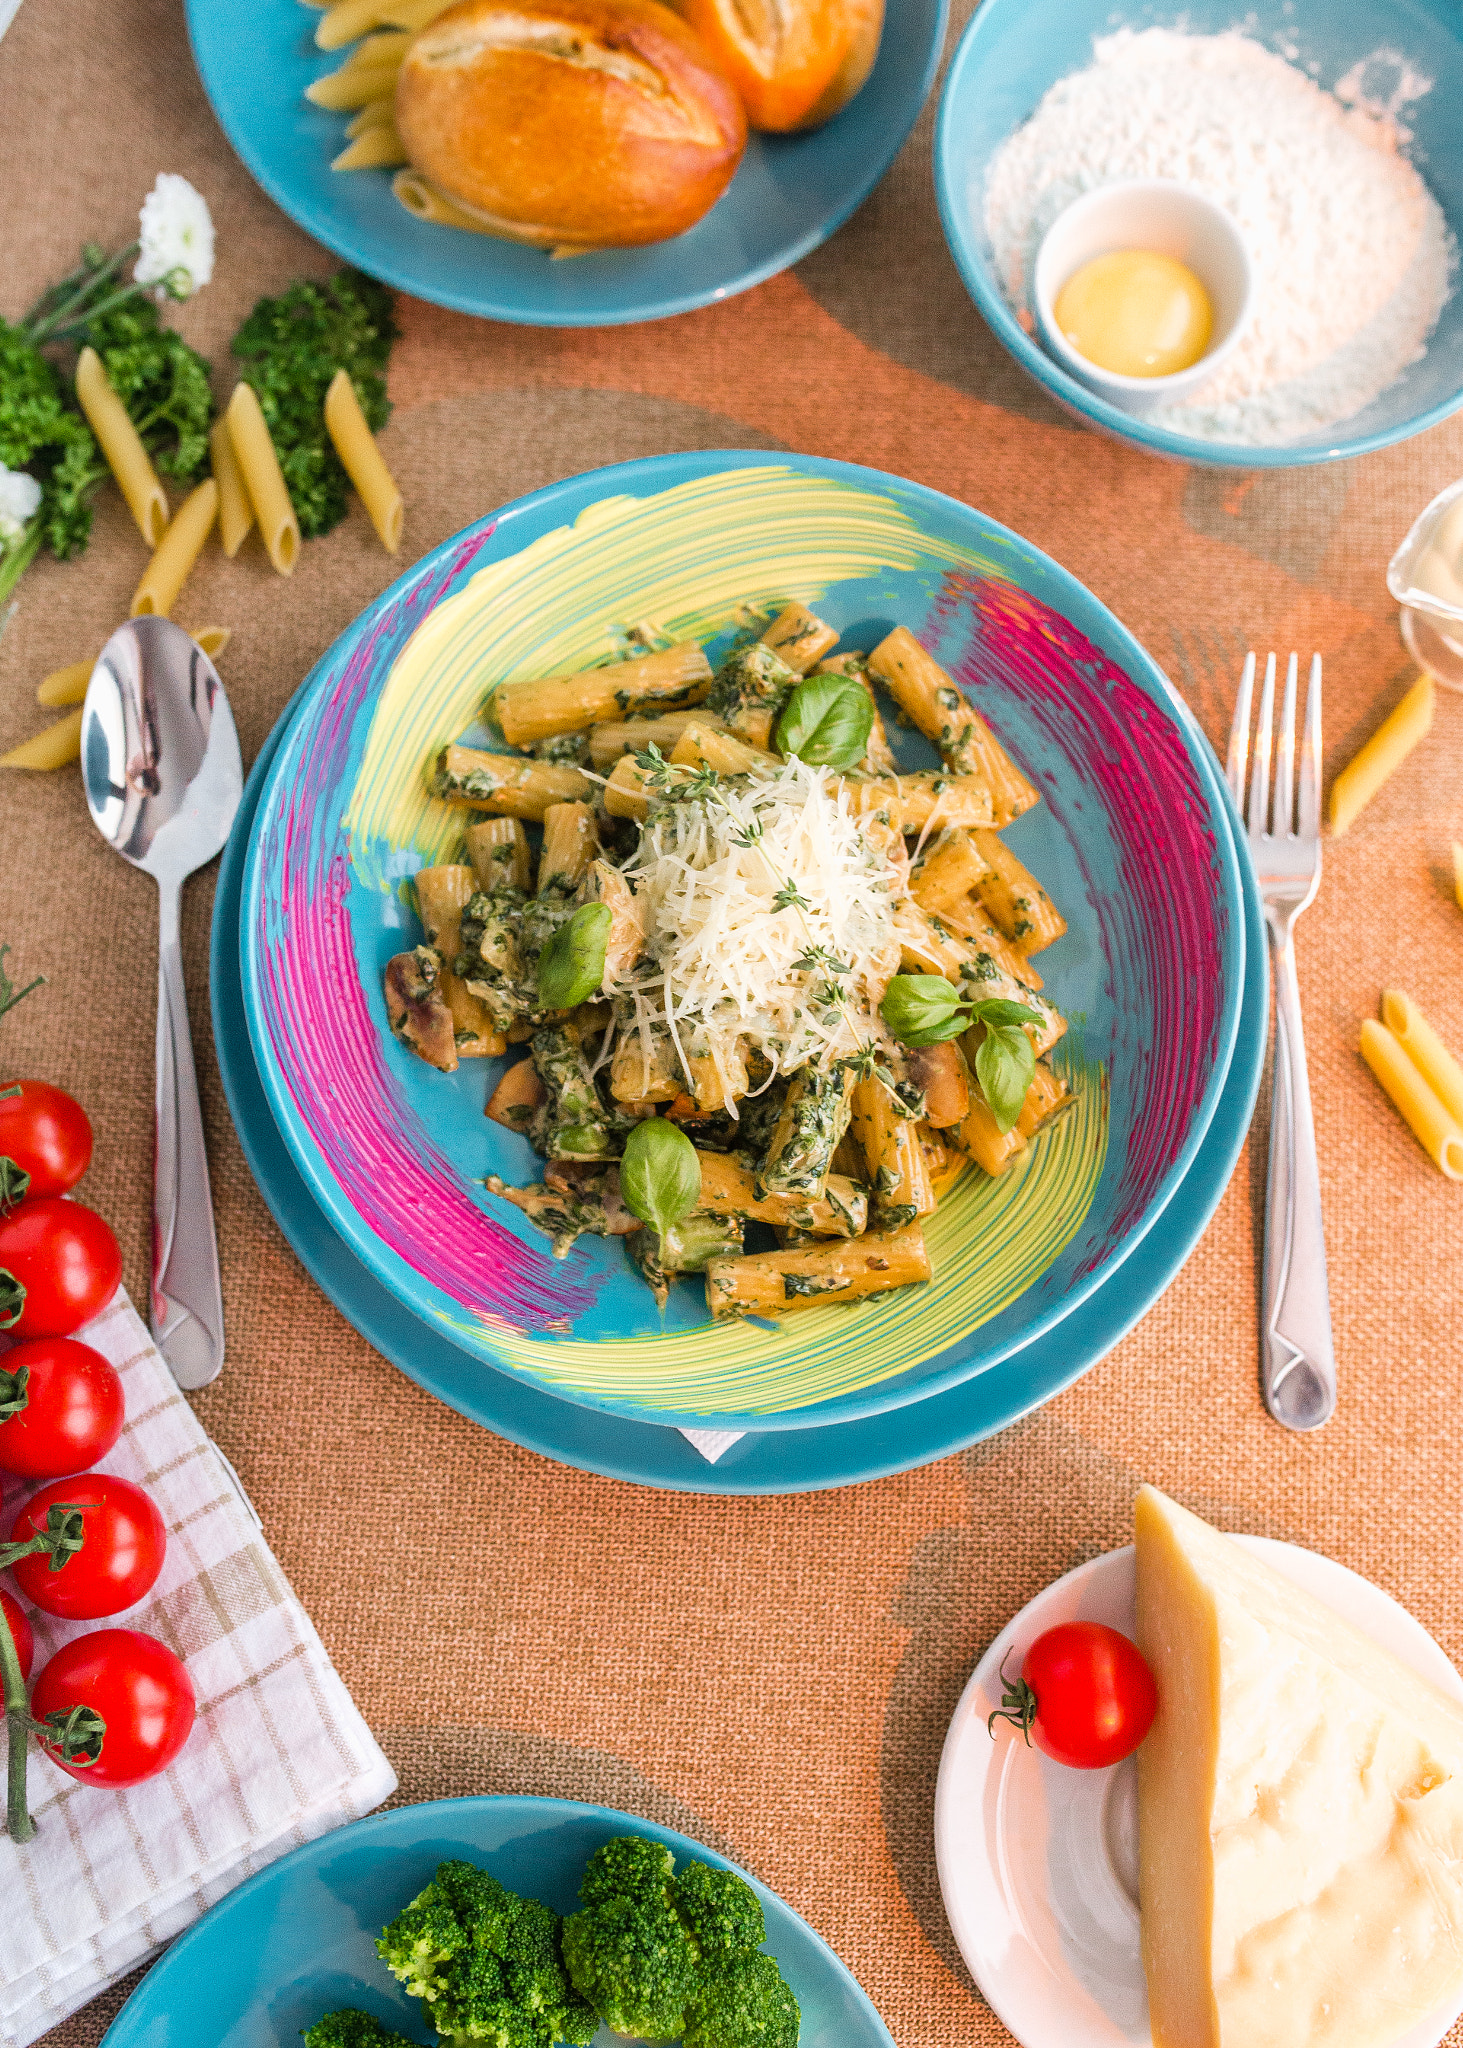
{"x":1039,"y":1864}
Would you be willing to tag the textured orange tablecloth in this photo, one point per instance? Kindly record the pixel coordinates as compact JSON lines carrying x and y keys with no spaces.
{"x":774,"y":1676}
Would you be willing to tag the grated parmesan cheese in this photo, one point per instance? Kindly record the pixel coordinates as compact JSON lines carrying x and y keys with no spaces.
{"x":722,"y":959}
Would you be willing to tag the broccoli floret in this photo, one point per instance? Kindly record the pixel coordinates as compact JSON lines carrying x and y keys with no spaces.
{"x":353,"y":2030}
{"x":629,"y":1952}
{"x":671,"y":1957}
{"x":485,"y":1963}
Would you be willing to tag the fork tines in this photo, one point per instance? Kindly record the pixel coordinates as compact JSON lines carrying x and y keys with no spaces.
{"x":1295,"y":811}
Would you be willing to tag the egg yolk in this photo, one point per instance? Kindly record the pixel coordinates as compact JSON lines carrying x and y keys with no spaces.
{"x":1136,"y":313}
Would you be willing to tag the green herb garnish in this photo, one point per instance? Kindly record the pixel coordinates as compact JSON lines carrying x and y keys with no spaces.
{"x":924,"y":1009}
{"x":827,"y":722}
{"x":660,"y":1175}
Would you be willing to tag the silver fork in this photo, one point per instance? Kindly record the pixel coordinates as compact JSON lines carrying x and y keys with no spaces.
{"x":1298,"y":1362}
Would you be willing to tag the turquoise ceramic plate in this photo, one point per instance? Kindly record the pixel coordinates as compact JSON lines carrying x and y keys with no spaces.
{"x":1014,"y":50}
{"x":789,"y":195}
{"x":1128,"y":840}
{"x":782,"y":1461}
{"x":298,"y":1940}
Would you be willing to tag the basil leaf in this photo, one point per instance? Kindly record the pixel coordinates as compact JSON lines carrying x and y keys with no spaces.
{"x":660,"y":1175}
{"x":916,"y":1003}
{"x":1004,"y":1067}
{"x":572,"y":965}
{"x":1000,"y":1010}
{"x":827,"y":722}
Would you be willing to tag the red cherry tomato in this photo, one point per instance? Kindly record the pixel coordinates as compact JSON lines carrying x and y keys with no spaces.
{"x":140,"y":1689}
{"x":65,"y":1258}
{"x":124,"y":1543}
{"x":47,"y":1135}
{"x":72,"y":1408}
{"x":11,"y":1611}
{"x":1084,"y":1693}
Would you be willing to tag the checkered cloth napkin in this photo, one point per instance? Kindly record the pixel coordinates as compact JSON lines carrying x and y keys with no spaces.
{"x":278,"y":1756}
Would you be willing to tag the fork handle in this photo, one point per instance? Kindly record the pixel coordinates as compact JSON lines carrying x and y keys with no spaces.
{"x":1298,"y":1361}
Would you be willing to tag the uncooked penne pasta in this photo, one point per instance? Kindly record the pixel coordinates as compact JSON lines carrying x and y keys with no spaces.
{"x":931,"y":698}
{"x":54,"y":748}
{"x":367,"y":74}
{"x":500,"y":853}
{"x":235,"y":508}
{"x":674,"y":678}
{"x":727,"y":1189}
{"x":799,"y":636}
{"x":1383,"y":754}
{"x":1014,"y":897}
{"x":506,"y":783}
{"x":837,"y":1269}
{"x":263,"y":478}
{"x":374,"y":114}
{"x":65,"y":685}
{"x":364,"y":464}
{"x":344,"y":21}
{"x":1434,"y":1129}
{"x":1425,"y":1050}
{"x":121,"y":443}
{"x":442,"y":896}
{"x":608,"y":743}
{"x":214,"y":639}
{"x":377,"y":148}
{"x":178,"y":550}
{"x":425,"y":201}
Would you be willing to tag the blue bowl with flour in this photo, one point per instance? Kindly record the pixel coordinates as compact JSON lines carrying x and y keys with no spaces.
{"x":1015,"y":50}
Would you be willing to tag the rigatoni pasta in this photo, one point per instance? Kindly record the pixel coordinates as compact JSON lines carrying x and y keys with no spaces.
{"x":709,"y":937}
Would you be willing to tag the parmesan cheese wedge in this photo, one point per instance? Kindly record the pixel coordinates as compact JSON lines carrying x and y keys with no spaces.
{"x":1300,"y":1810}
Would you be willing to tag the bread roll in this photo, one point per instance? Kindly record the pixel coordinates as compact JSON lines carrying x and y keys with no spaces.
{"x":573,"y":124}
{"x":794,"y":62}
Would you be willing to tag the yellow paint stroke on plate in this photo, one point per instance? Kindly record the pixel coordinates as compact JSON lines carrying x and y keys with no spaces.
{"x":684,"y":558}
{"x":989,"y":1241}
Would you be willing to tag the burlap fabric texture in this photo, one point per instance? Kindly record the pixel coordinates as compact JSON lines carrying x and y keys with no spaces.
{"x":773,"y":1675}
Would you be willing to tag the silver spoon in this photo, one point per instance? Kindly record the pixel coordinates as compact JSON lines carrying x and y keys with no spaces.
{"x":160,"y":762}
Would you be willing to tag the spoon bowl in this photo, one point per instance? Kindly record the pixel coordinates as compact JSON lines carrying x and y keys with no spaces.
{"x":163,"y":778}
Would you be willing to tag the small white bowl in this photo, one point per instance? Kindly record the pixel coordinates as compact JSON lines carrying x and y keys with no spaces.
{"x":1173,"y":220}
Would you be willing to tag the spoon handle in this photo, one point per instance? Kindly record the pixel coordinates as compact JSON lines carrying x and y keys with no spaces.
{"x":187,"y":1300}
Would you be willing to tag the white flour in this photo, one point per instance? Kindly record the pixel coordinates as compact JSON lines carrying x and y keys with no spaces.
{"x":1351,"y":253}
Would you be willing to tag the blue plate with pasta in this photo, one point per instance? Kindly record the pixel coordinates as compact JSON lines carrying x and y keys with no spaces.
{"x":768,"y":1461}
{"x":790,"y":193}
{"x":1128,"y":835}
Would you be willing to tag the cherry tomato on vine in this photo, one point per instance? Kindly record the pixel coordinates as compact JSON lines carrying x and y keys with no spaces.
{"x":25,"y":1646}
{"x":61,"y":1408}
{"x":137,"y":1686}
{"x":45,"y":1133}
{"x":1085,"y":1695}
{"x":59,"y":1266}
{"x":124,"y":1543}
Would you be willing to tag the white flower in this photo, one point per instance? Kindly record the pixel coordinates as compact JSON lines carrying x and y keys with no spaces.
{"x":177,"y":238}
{"x":20,"y":495}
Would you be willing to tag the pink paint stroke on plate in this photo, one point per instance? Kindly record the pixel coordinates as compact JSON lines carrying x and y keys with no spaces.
{"x":1117,"y":741}
{"x":329,"y":1045}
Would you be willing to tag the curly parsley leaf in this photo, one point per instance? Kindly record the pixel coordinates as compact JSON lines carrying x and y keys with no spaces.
{"x":291,"y":347}
{"x":40,"y":433}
